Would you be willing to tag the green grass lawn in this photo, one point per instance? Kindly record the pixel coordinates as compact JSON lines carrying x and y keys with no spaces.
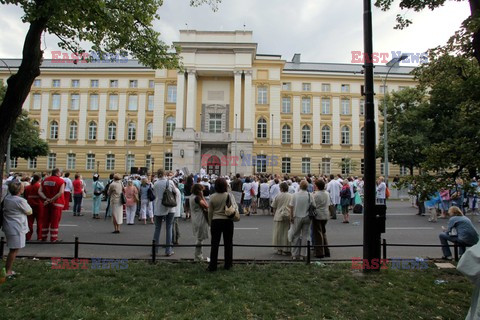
{"x":273,"y":291}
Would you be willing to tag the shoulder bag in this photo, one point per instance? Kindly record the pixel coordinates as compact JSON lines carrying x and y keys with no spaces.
{"x":150,"y":194}
{"x":169,"y":199}
{"x":231,"y":209}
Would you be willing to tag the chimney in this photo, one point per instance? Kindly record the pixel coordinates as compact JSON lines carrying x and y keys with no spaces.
{"x":296,"y":58}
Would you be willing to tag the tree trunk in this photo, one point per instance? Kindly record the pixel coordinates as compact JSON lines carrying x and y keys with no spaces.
{"x":475,"y":13}
{"x":20,"y":83}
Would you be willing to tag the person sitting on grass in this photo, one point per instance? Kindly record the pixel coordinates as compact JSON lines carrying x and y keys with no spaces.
{"x":460,"y":230}
{"x":15,"y":225}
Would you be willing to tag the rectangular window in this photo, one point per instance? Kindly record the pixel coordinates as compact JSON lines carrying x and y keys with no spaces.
{"x":110,"y":163}
{"x":346,"y":165}
{"x":362,"y":166}
{"x":52,"y":161}
{"x":90,"y":162}
{"x":37,"y":83}
{"x":132,"y":102}
{"x":306,"y":102}
{"x":215,"y":123}
{"x":326,"y":166}
{"x":168,"y":162}
{"x":74,"y":101}
{"x":113,"y":83}
{"x":403,"y":170}
{"x":37,"y":101}
{"x":325,"y":105}
{"x":305,"y":165}
{"x":75,"y":83}
{"x":261,"y":163}
{"x":148,"y":161}
{"x":133,"y":83}
{"x":362,"y":107}
{"x":94,"y":102}
{"x":130,"y":161}
{"x":55,"y":101}
{"x":13,"y":163}
{"x":286,"y":165}
{"x":383,"y":89}
{"x":172,"y":94}
{"x":32,"y":163}
{"x":151,"y":83}
{"x":56,"y":83}
{"x":286,"y":105}
{"x":345,"y":107}
{"x":286,"y":86}
{"x":151,"y":104}
{"x":306,"y":87}
{"x":113,"y":105}
{"x":400,"y":88}
{"x":262,"y":96}
{"x":71,"y":161}
{"x":325,"y":87}
{"x":94,"y":83}
{"x":345,"y":88}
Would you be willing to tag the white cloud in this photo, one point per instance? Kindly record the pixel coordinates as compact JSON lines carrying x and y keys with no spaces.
{"x":322,"y":31}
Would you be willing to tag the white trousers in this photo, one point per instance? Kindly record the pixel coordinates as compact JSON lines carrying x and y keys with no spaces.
{"x":146,"y":209}
{"x":131,"y":214}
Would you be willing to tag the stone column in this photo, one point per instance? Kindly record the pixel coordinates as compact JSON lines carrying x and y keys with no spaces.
{"x":237,"y":99}
{"x":180,"y":100}
{"x":249,"y":115}
{"x":191,"y":114}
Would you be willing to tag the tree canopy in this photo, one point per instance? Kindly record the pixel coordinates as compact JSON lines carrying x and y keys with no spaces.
{"x":26,"y":142}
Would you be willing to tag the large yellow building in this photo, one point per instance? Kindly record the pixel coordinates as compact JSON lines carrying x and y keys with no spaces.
{"x":229,"y":105}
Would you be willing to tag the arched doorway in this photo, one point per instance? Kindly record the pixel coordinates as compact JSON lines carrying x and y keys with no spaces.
{"x":213,"y":165}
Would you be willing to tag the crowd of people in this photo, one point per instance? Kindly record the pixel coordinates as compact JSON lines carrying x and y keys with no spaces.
{"x":300,"y":206}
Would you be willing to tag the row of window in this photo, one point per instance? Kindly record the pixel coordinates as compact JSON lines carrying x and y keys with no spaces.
{"x":75,"y":83}
{"x":306,"y":133}
{"x":325,"y":107}
{"x":111,"y":130}
{"x":306,"y":86}
{"x":91,"y":163}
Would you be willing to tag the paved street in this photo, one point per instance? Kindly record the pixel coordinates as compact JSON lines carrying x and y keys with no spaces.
{"x":403,"y":226}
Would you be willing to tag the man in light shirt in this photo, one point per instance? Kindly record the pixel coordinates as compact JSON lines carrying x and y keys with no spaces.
{"x":334,"y":187}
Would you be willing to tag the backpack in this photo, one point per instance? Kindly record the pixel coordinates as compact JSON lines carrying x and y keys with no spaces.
{"x":97,"y":189}
{"x":150,"y":194}
{"x":169,"y":199}
{"x":105,"y":190}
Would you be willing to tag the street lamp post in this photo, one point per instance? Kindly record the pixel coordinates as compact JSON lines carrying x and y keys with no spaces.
{"x":153,"y":167}
{"x":235,"y":159}
{"x":164,"y":138}
{"x":271,"y":137}
{"x":391,"y":64}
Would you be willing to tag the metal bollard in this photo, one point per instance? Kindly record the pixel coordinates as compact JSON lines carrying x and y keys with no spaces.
{"x":384,"y":249}
{"x":308,"y":252}
{"x":76,"y":248}
{"x":154,"y":254}
{"x":2,"y":244}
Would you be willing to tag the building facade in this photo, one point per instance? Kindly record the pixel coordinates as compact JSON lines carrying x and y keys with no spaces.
{"x":230,"y":109}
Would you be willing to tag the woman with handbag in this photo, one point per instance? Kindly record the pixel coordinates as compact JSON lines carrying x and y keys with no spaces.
{"x":115,"y":194}
{"x":220,"y":224}
{"x":131,"y":194}
{"x":281,"y":220}
{"x":199,"y":210}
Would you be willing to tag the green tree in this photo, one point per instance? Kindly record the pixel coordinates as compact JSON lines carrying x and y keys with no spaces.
{"x":111,"y":26}
{"x":465,"y":41}
{"x":407,"y":131}
{"x":26,"y":142}
{"x":347,"y":165}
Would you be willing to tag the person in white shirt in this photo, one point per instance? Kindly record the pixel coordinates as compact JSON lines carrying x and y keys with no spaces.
{"x":68,"y":190}
{"x":274,"y":191}
{"x":203,"y":172}
{"x":255,"y":196}
{"x":295,"y":184}
{"x":381,"y":189}
{"x":334,"y":187}
{"x":264,"y":195}
{"x":247,"y":195}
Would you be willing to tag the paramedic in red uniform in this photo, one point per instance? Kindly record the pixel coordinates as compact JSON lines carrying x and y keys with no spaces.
{"x":51,"y":191}
{"x":34,"y":200}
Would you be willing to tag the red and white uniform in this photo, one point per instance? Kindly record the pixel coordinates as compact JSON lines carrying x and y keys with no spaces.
{"x":34,"y":200}
{"x":51,"y":186}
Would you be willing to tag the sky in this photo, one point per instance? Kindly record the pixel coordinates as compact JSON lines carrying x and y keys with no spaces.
{"x":320,"y":30}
